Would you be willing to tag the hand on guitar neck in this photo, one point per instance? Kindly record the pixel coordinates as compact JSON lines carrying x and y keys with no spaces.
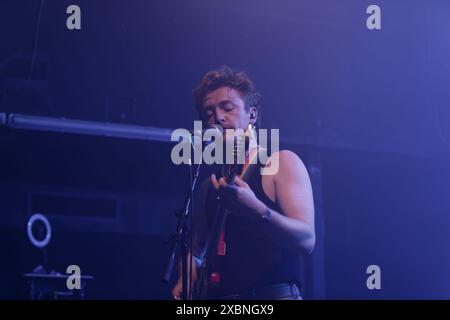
{"x":239,"y":198}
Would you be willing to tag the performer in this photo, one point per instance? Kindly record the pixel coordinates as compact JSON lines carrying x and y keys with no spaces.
{"x":271,"y":220}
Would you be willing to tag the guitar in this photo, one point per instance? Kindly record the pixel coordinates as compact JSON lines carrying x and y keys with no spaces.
{"x":204,"y":279}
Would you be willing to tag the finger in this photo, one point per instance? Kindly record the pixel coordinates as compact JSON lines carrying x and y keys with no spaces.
{"x":241,"y":183}
{"x":223,"y":183}
{"x":214,"y":182}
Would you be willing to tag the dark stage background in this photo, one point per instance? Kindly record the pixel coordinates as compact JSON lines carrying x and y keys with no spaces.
{"x":366,"y":110}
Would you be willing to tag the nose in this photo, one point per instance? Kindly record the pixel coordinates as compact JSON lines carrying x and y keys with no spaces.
{"x":219,"y":116}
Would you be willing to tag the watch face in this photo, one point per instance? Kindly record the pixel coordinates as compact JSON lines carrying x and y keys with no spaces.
{"x":268,"y":215}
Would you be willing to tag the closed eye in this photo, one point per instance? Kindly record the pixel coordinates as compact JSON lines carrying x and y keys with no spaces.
{"x":227,"y":106}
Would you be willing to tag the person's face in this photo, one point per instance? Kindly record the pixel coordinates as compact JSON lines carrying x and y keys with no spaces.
{"x":225,"y":107}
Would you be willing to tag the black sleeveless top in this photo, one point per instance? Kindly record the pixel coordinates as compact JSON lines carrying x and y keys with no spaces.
{"x":252,"y":258}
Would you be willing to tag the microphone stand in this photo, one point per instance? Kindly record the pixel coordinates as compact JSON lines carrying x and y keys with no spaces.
{"x":181,"y":239}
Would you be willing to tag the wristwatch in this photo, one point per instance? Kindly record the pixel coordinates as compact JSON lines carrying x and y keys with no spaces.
{"x":266,"y":217}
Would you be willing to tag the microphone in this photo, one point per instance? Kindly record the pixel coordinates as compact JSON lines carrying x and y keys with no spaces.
{"x":200,"y":132}
{"x":213,"y":130}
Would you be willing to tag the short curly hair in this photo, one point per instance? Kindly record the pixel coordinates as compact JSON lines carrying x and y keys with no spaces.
{"x":224,"y":76}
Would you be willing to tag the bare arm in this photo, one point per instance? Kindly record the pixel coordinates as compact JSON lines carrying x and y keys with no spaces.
{"x":292,"y":229}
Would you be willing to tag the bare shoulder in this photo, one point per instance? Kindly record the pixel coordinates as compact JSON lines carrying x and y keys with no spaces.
{"x":292,"y":186}
{"x":285,"y":164}
{"x":290,"y":158}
